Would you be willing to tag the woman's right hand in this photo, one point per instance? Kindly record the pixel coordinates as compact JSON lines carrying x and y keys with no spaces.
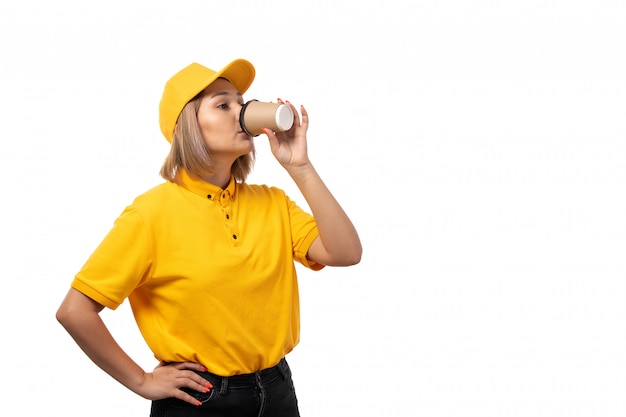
{"x":167,"y":380}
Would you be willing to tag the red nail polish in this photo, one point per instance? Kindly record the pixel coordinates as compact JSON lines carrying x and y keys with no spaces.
{"x":198,"y":403}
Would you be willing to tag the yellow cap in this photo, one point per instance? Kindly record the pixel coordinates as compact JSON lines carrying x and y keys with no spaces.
{"x":190,"y":81}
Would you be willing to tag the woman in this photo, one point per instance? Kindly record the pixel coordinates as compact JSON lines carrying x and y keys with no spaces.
{"x":207,"y":261}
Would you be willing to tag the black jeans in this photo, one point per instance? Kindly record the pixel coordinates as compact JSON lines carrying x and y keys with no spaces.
{"x":267,"y":393}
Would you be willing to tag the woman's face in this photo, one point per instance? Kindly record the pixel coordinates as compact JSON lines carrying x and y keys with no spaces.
{"x":218,"y":118}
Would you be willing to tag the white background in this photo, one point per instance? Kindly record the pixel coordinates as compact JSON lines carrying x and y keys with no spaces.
{"x":478,"y":146}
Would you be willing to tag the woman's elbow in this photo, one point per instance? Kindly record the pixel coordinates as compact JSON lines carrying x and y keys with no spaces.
{"x":349,"y":258}
{"x":75,"y":307}
{"x":63,"y":316}
{"x":346,"y":255}
{"x":355,"y":258}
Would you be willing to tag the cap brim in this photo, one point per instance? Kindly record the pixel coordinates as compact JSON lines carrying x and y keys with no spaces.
{"x":239,"y":72}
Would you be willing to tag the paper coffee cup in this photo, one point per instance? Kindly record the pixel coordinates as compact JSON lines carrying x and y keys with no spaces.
{"x":256,"y":115}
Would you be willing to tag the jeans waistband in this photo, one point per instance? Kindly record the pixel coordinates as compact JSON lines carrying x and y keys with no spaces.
{"x":280,"y":370}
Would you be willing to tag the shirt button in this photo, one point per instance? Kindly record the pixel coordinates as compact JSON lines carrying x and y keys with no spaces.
{"x":209,"y":196}
{"x":234,"y":236}
{"x":227,"y":217}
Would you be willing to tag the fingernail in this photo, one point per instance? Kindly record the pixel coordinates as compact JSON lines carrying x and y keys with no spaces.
{"x":198,"y":403}
{"x":204,"y":369}
{"x":208,"y":385}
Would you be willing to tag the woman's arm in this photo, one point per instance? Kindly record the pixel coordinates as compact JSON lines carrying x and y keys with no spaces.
{"x":338,"y":243}
{"x":80,"y":316}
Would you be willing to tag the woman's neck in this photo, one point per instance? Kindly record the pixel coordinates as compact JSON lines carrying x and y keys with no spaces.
{"x":220,"y":179}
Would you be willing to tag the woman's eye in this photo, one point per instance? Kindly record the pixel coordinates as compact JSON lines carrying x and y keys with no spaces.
{"x":222,"y":106}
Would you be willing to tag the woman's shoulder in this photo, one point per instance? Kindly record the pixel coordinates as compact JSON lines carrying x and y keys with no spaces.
{"x":155,"y":198}
{"x":259,"y":189}
{"x":158,"y":191}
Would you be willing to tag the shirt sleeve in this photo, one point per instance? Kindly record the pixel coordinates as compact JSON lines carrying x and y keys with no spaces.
{"x":119,"y":264}
{"x":303,"y":233}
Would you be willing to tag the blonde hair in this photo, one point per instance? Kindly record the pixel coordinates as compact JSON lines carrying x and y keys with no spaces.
{"x":190,"y":152}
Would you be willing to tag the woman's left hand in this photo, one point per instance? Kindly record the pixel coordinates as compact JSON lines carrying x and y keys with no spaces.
{"x":289,"y":147}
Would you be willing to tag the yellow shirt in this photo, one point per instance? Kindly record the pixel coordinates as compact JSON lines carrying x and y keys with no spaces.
{"x":209,"y":273}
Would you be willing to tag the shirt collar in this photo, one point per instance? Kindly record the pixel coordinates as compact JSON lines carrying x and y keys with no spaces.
{"x":205,"y":189}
